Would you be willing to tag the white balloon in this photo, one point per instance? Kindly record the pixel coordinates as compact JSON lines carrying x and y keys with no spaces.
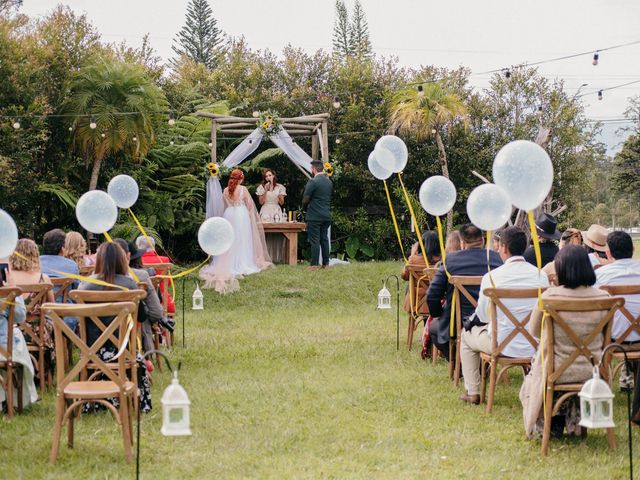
{"x":524,"y":170}
{"x":124,"y":190}
{"x":375,"y":168}
{"x":215,"y":235}
{"x":488,"y":207}
{"x":437,"y":195}
{"x":96,"y":211}
{"x":8,"y":234}
{"x":393,"y":153}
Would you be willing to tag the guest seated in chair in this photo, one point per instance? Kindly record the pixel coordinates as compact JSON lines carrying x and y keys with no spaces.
{"x":151,"y":257}
{"x":516,"y":272}
{"x":432,"y":251}
{"x":623,"y":270}
{"x":575,"y":279}
{"x":470,"y":261}
{"x":25,"y":267}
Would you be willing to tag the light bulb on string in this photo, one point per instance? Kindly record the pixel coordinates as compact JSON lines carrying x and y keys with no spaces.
{"x":338,"y":140}
{"x":596,"y":56}
{"x":255,"y":113}
{"x":71,"y":129}
{"x":103,"y":135}
{"x":507,"y":73}
{"x":420,"y":91}
{"x":171,"y":142}
{"x":599,"y":94}
{"x":92,"y":123}
{"x":210,"y":145}
{"x":433,"y":131}
{"x":336,"y":104}
{"x":16,"y":124}
{"x":172,"y":119}
{"x":135,"y":139}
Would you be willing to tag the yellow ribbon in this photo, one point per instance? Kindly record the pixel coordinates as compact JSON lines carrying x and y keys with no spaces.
{"x":395,"y":222}
{"x":442,"y":249}
{"x":415,"y":221}
{"x":108,"y":237}
{"x":185,"y":272}
{"x":95,"y":281}
{"x":489,"y":258}
{"x":536,"y":248}
{"x":452,"y":316}
{"x":19,"y":255}
{"x":544,"y":366}
{"x":152,"y":245}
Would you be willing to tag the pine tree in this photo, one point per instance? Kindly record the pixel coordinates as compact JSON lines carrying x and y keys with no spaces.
{"x":359,"y":33}
{"x":341,"y":41}
{"x":200,"y":38}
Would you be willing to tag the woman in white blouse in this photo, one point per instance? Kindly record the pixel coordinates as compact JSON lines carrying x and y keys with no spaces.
{"x":271,"y":196}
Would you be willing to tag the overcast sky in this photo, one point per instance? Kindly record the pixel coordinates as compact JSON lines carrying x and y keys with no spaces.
{"x":482,"y":35}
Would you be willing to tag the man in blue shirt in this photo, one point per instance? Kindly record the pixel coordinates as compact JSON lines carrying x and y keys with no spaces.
{"x":54,"y":264}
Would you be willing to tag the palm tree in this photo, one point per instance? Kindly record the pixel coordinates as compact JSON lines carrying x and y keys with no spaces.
{"x":423,"y":112}
{"x":122,"y":104}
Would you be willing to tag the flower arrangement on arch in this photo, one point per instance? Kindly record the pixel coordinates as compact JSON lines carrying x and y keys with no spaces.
{"x":269,"y":123}
{"x":213,"y":168}
{"x":328,"y":169}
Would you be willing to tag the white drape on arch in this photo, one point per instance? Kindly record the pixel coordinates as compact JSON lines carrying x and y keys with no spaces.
{"x":300,"y":158}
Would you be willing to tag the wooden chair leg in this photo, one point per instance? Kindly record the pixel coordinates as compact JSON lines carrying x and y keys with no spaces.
{"x":548,"y":410}
{"x":19,"y":378}
{"x":57,"y":428}
{"x":70,"y":430}
{"x":9,"y":392}
{"x":483,"y":381}
{"x":43,"y":380}
{"x":409,"y":332}
{"x":456,"y":375}
{"x":611,"y":438}
{"x":452,"y":361}
{"x":434,"y":354}
{"x":125,"y":422}
{"x":493,"y":374}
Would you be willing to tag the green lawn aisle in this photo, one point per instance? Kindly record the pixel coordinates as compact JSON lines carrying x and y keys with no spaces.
{"x":297,"y":376}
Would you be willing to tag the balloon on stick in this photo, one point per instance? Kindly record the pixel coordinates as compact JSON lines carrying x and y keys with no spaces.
{"x":8,"y":234}
{"x":437,"y":195}
{"x":96,"y":211}
{"x":376,"y":169}
{"x":215,"y":235}
{"x":488,"y":207}
{"x":524,"y":170}
{"x":124,"y":190}
{"x":392,"y":153}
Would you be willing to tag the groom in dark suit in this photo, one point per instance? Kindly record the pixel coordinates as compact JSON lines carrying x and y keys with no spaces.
{"x":317,"y":201}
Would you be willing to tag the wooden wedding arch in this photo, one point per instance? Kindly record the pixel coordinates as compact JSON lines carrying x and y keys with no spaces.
{"x":303,"y":126}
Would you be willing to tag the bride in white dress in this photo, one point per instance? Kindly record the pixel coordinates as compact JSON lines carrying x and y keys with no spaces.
{"x":248,"y":254}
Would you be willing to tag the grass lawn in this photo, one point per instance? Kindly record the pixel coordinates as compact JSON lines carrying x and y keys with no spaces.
{"x":297,"y":376}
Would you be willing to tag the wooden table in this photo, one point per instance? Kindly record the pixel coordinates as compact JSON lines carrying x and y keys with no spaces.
{"x":290,"y":232}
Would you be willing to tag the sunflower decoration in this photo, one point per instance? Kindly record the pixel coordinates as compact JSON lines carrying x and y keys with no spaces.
{"x":328,"y":169}
{"x":213,"y":168}
{"x":269,"y":123}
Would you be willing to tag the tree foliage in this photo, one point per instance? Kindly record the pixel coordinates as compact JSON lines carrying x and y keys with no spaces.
{"x":200,"y":39}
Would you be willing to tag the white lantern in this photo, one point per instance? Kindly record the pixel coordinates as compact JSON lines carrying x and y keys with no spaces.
{"x":384,"y":298}
{"x":198,"y":299}
{"x":175,"y":410}
{"x":596,"y":403}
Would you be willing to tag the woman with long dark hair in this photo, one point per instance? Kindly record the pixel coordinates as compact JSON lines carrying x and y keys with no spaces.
{"x":248,"y":253}
{"x":112,"y":268}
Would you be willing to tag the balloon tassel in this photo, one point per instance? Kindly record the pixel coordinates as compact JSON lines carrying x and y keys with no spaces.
{"x":395,"y":222}
{"x":413,"y":217}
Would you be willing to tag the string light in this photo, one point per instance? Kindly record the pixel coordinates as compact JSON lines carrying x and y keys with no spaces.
{"x":135,"y":139}
{"x":507,"y":73}
{"x":71,"y":129}
{"x":171,"y":142}
{"x":599,"y":94}
{"x":210,"y":145}
{"x":594,"y":62}
{"x":338,"y":140}
{"x":420,"y":91}
{"x":172,"y":119}
{"x":255,"y":114}
{"x":92,"y":123}
{"x":336,"y":104}
{"x":433,"y":131}
{"x":103,"y":135}
{"x":16,"y":125}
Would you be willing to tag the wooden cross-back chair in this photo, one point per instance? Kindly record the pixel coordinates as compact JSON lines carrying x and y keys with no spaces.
{"x":491,"y":361}
{"x":72,"y":394}
{"x":418,"y":276}
{"x":162,"y":284}
{"x":33,"y":328}
{"x":110,"y":296}
{"x":554,"y":323}
{"x":87,"y":270}
{"x":13,"y":372}
{"x":460,"y":284}
{"x":62,"y":287}
{"x":632,"y":350}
